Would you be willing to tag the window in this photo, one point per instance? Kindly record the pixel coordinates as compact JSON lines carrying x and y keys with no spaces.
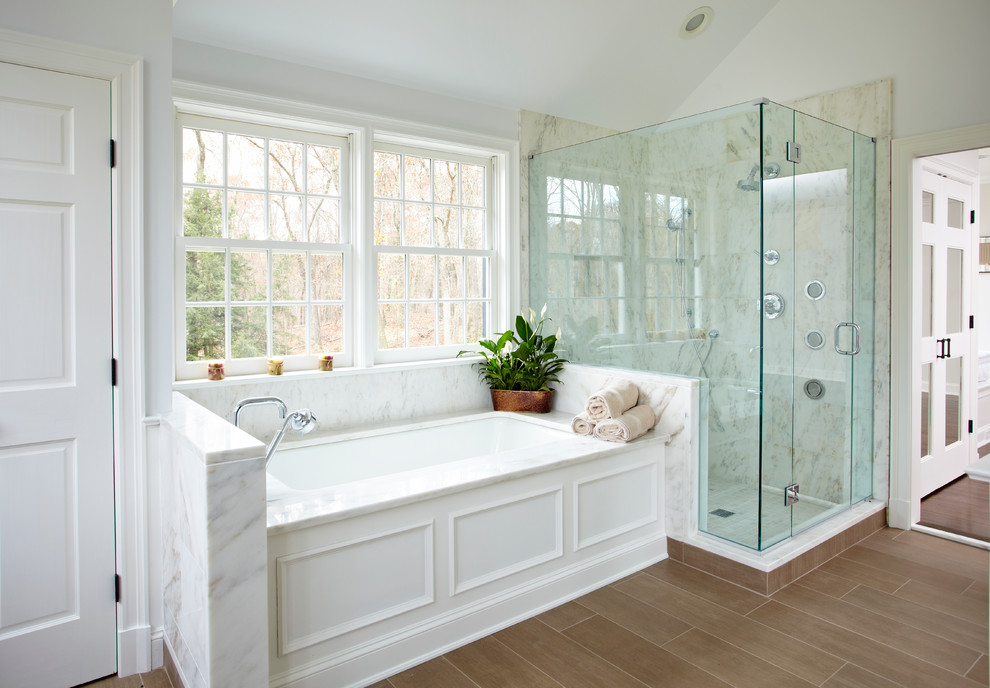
{"x":265,"y":244}
{"x":432,"y":236}
{"x":278,"y":254}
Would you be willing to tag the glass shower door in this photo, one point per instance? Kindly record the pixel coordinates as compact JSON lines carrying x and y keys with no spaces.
{"x":828,"y":339}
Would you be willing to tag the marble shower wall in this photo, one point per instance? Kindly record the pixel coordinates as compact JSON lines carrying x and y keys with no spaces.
{"x":214,"y":540}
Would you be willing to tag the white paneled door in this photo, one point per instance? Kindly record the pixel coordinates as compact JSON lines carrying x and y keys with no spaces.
{"x":945,"y":341}
{"x":57,"y":605}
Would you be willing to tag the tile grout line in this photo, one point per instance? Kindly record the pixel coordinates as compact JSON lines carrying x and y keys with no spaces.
{"x":879,"y":642}
{"x":745,"y":616}
{"x":836,"y":672}
{"x":589,"y":650}
{"x":971,"y":666}
{"x":509,"y":649}
{"x":458,"y":670}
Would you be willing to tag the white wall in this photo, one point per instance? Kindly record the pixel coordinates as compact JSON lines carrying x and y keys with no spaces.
{"x":244,"y":72}
{"x":934,"y":52}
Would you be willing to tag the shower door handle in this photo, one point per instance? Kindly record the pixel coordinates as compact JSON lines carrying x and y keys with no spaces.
{"x":855,"y":343}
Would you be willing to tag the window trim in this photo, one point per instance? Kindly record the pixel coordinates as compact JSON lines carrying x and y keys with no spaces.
{"x":364,"y":131}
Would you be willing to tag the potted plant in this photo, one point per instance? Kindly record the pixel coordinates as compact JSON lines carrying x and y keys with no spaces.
{"x":519,"y":366}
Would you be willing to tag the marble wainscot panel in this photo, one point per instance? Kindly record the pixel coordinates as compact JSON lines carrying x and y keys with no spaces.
{"x":675,"y":400}
{"x":348,"y":398}
{"x":214,"y":535}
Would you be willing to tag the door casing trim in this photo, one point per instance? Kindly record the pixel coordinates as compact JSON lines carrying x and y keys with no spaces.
{"x":905,"y":509}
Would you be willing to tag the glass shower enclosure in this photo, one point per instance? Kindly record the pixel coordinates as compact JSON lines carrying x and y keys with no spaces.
{"x":736,"y":246}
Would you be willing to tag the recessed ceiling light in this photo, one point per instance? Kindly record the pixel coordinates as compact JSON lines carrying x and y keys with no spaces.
{"x":696,"y":22}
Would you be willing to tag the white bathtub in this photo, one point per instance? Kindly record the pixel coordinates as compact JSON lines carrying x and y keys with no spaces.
{"x":314,"y":466}
{"x":386,"y":548}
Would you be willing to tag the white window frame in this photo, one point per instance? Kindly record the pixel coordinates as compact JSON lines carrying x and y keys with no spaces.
{"x":243,"y":366}
{"x":363,"y":133}
{"x":406,"y":354}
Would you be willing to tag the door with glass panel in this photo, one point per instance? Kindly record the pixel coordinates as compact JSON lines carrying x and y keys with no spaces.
{"x":944,"y":264}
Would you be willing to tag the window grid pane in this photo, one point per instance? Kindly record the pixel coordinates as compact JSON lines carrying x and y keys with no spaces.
{"x":424,"y":201}
{"x":244,"y":303}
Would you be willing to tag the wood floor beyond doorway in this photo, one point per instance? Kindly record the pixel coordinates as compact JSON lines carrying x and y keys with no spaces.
{"x":898,"y":609}
{"x":961,"y":507}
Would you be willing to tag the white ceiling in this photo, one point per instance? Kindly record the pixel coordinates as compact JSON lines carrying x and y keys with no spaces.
{"x":616,"y":63}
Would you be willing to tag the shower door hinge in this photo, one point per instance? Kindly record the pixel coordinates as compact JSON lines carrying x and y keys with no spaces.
{"x":793,"y":152}
{"x":116,"y":587}
{"x":113,"y":153}
{"x":972,"y":217}
{"x":791,"y":494}
{"x":113,"y":372}
{"x":970,"y":427}
{"x":971,"y":321}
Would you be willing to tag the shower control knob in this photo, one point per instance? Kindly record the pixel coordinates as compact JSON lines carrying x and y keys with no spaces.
{"x":773,"y":305}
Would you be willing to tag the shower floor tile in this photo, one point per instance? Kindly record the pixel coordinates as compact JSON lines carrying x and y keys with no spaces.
{"x":732,"y":512}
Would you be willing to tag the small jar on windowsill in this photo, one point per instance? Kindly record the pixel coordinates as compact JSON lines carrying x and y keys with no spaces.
{"x":274,"y":366}
{"x":326,"y":362}
{"x":214,"y":370}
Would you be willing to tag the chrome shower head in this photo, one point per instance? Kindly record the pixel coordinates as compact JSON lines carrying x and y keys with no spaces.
{"x":752,"y":182}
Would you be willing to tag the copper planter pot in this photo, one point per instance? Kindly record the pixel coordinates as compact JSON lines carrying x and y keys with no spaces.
{"x":514,"y":400}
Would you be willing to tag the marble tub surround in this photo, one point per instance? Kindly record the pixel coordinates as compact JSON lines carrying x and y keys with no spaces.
{"x":344,"y":398}
{"x":676,"y":403}
{"x":213,"y":522}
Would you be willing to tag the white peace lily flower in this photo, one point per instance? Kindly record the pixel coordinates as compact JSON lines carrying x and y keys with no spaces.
{"x":532,"y":315}
{"x":559,"y":333}
{"x":543,"y":313}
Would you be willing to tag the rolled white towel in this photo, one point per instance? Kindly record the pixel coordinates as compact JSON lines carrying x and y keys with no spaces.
{"x":628,"y":426}
{"x":612,"y":401}
{"x":582,"y":424}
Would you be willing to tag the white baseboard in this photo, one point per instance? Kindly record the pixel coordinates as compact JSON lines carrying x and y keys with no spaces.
{"x":899,"y":514}
{"x":157,"y":649}
{"x":134,"y":651}
{"x":442,"y":635}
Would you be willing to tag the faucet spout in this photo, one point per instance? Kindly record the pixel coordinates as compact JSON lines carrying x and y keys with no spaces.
{"x":259,"y":401}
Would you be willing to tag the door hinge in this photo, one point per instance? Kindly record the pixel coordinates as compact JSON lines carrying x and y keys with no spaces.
{"x":970,"y":427}
{"x":113,"y":153}
{"x":116,"y":587}
{"x":972,"y":217}
{"x":972,"y":320}
{"x":793,"y":152}
{"x":113,"y":372}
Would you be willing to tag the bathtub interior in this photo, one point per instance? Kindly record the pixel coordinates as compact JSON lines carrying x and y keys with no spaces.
{"x":348,"y":458}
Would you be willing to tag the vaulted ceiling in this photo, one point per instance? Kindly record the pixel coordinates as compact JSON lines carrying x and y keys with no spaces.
{"x":616,"y":63}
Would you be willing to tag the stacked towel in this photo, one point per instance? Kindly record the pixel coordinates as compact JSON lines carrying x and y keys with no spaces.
{"x":628,"y":426}
{"x":611,"y":414}
{"x":612,"y":401}
{"x":582,"y":424}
